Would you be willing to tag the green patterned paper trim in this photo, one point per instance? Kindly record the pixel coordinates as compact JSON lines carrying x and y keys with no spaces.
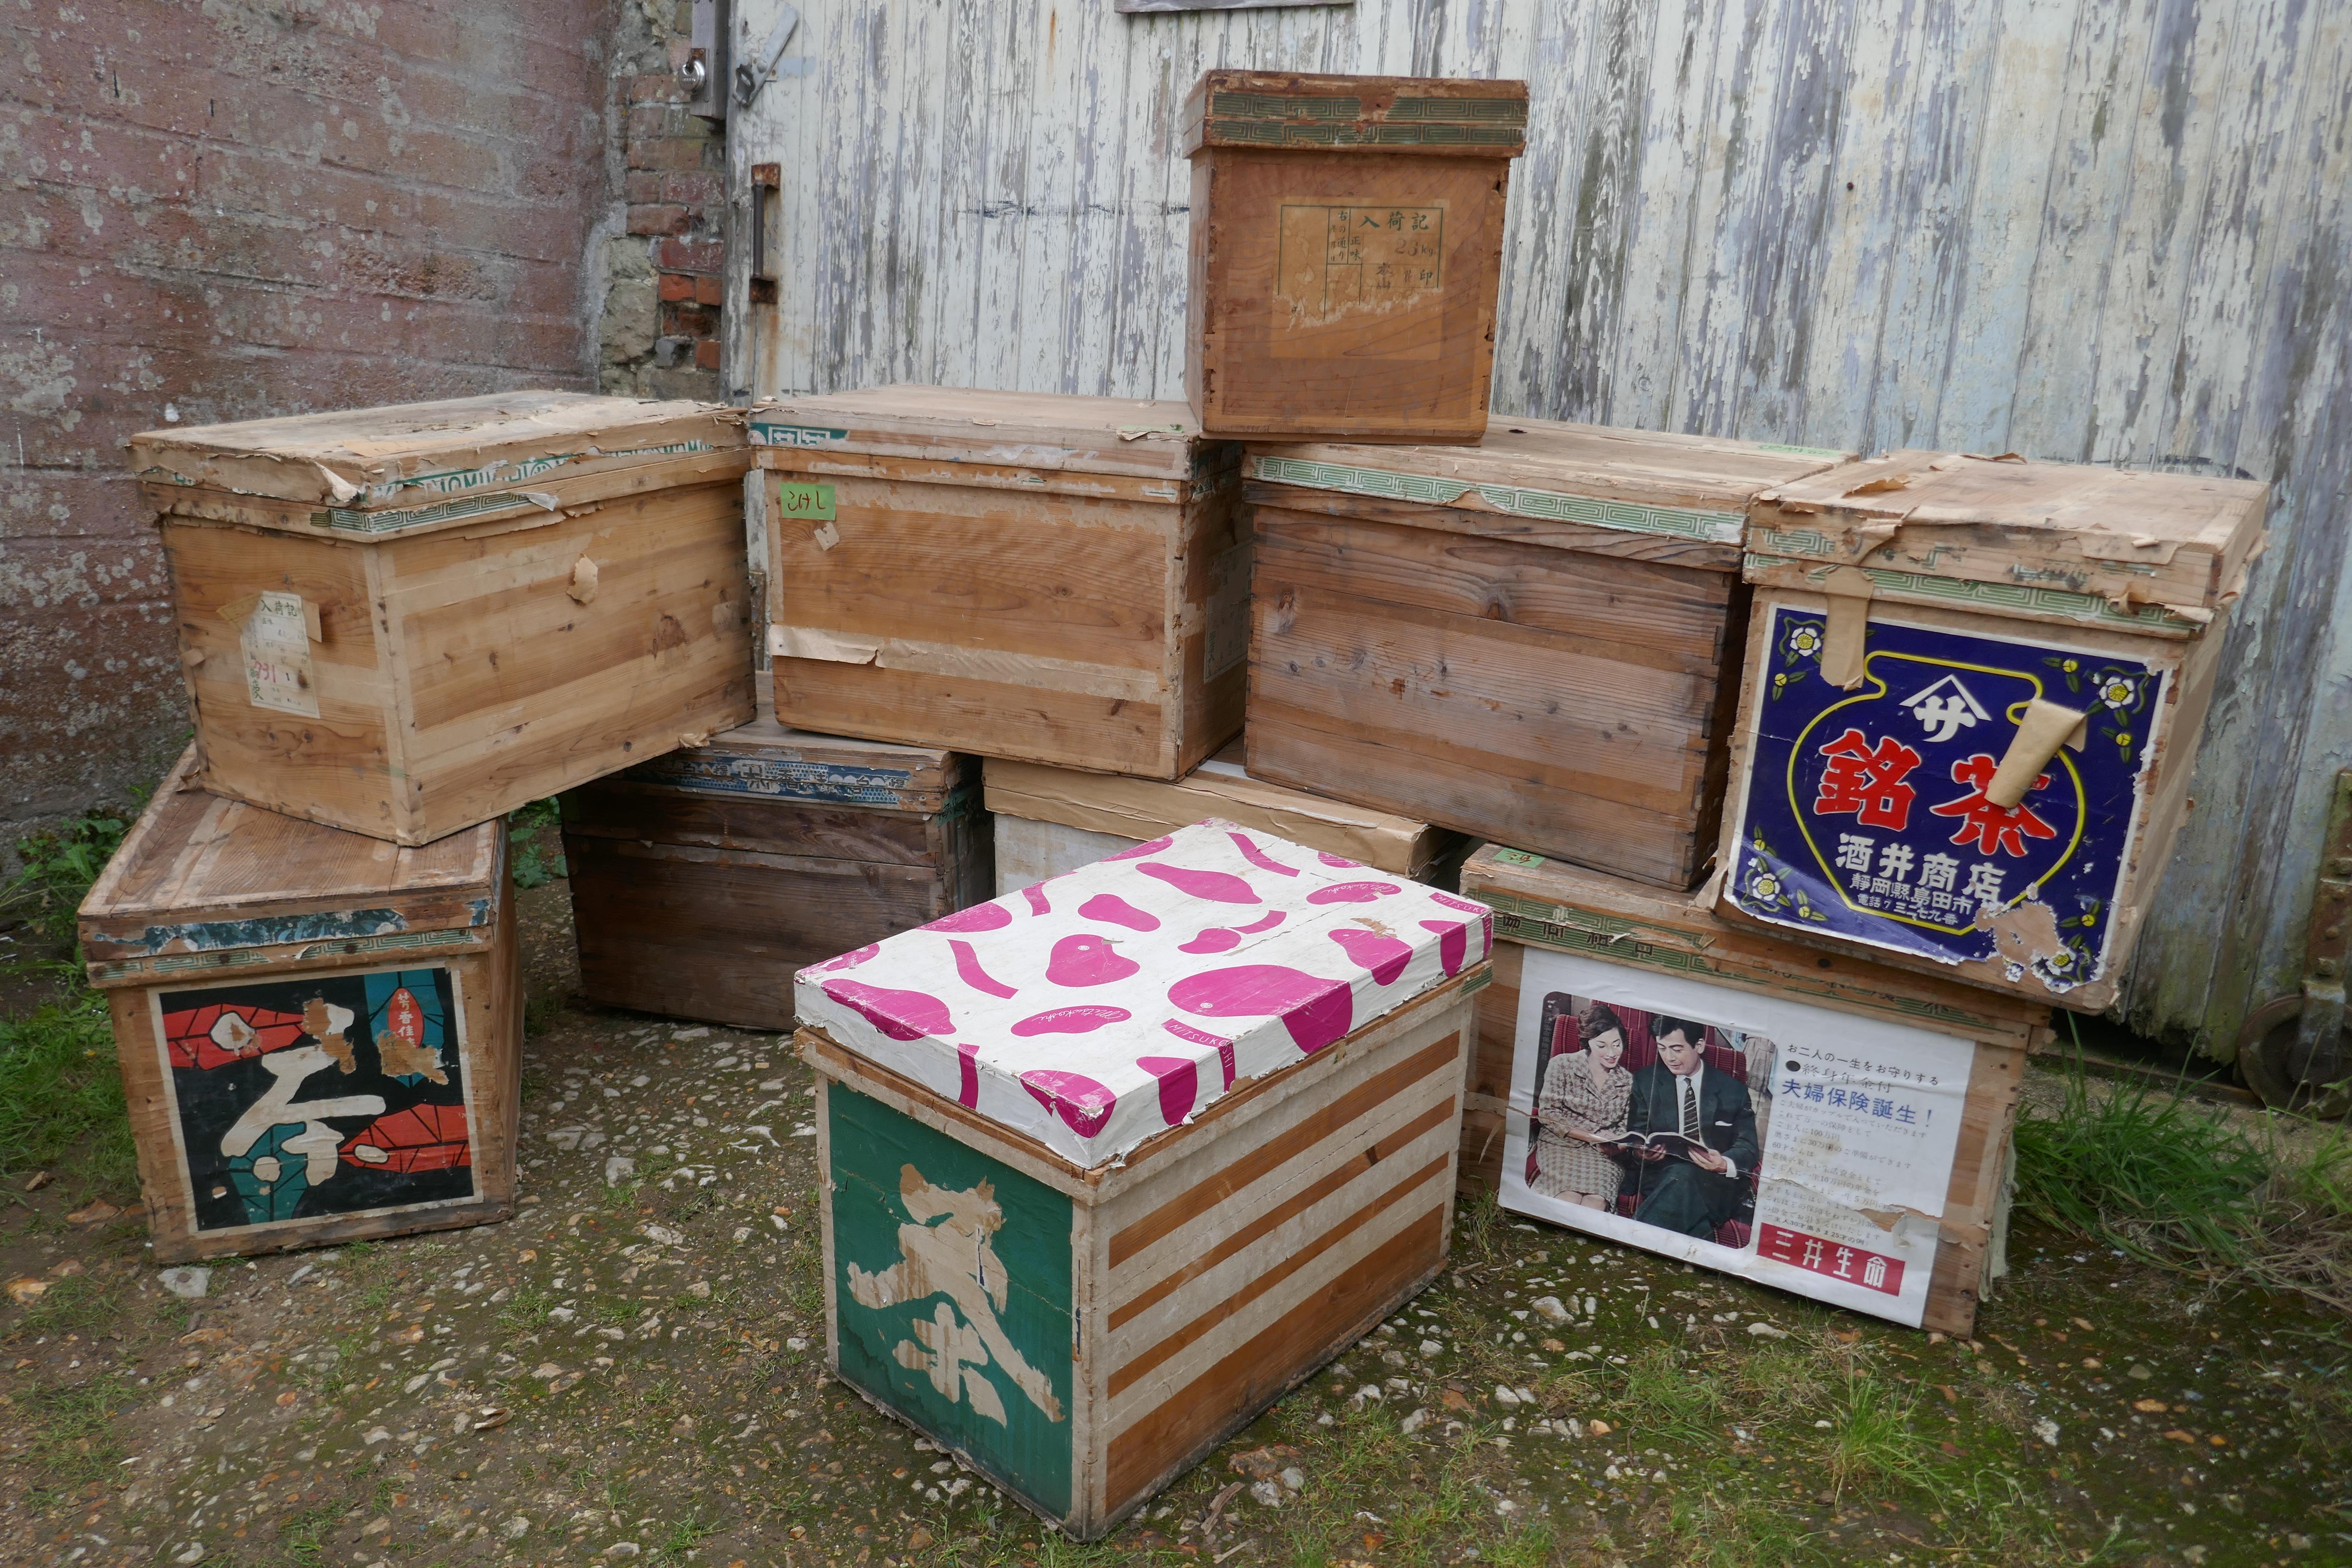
{"x":764,"y":434}
{"x":182,"y":963}
{"x":1549,"y":506}
{"x":1523,"y":920}
{"x":345,"y":520}
{"x":2015,"y":599}
{"x":1830,"y":452}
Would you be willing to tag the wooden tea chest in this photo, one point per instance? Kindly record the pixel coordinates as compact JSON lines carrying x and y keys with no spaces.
{"x":1059,"y":580}
{"x":1346,"y":252}
{"x":318,"y":1032}
{"x":1873,"y":1168}
{"x":1535,"y":642}
{"x":406,"y":621}
{"x":1974,"y":692}
{"x":701,"y":881}
{"x":1113,"y":1163}
{"x":1051,"y":820}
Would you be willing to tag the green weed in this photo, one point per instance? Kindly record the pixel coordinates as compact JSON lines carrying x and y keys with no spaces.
{"x":72,"y":1445}
{"x":75,"y":1304}
{"x":1664,"y":1399}
{"x":61,"y":1097}
{"x":2156,"y":1176}
{"x":530,"y":828}
{"x":1743,"y":1531}
{"x":58,"y":869}
{"x":1871,"y":1437}
{"x":303,"y":1535}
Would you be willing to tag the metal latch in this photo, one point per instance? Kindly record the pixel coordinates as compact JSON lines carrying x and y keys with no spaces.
{"x":766,"y":62}
{"x":2293,"y":1051}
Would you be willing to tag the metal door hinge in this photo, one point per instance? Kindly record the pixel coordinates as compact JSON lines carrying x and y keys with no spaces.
{"x":2294,"y":1052}
{"x":766,"y":63}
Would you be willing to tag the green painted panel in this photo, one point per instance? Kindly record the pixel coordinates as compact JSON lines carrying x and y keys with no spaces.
{"x":951,"y":1284}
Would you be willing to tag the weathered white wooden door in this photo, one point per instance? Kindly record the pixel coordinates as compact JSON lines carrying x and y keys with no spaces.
{"x":2105,"y":231}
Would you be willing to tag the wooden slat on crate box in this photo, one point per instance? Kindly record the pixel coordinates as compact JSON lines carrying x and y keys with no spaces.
{"x":1052,"y":820}
{"x":702,"y":880}
{"x":318,"y":1031}
{"x":1060,"y":580}
{"x":1536,"y":642}
{"x":1346,"y":252}
{"x":1543,"y":906}
{"x":1929,"y":620}
{"x":1080,"y":1271}
{"x":406,"y":621}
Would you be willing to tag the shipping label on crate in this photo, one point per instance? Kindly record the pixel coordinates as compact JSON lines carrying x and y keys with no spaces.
{"x":330,"y":1094}
{"x":274,"y":638}
{"x":1866,"y":815}
{"x":1785,"y":1143}
{"x":952,"y":1292}
{"x":1341,"y":261}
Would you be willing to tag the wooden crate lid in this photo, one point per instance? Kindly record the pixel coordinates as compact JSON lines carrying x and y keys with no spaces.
{"x":2163,"y":547}
{"x":1037,"y":430}
{"x":1546,"y":904}
{"x":1531,"y":473}
{"x":1264,"y":109}
{"x":774,"y":762}
{"x":201,"y":874}
{"x":439,"y":460}
{"x":1099,"y":1007}
{"x":1221,"y":787}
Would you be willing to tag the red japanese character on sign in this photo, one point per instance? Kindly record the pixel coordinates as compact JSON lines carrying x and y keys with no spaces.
{"x":1868,"y":781}
{"x":1989,"y":827}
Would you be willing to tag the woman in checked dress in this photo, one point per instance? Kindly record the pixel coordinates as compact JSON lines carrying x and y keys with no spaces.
{"x":1582,"y":1106}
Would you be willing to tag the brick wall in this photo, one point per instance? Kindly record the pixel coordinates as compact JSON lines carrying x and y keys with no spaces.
{"x":660,"y":325}
{"x":221,"y":209}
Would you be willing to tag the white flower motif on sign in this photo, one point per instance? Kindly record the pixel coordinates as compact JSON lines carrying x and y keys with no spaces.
{"x":1946,"y":707}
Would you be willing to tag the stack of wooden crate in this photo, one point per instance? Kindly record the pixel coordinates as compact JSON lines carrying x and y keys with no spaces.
{"x":397,"y":625}
{"x":1807,"y":785}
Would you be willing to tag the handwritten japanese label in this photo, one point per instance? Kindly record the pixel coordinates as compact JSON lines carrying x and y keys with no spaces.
{"x":1356,"y":259}
{"x":1866,"y":813}
{"x":275,"y":643}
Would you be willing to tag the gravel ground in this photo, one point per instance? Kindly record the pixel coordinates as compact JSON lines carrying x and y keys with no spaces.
{"x":632,"y":1370}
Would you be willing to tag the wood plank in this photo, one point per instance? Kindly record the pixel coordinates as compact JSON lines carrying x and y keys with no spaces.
{"x":991,"y":718}
{"x":662,"y":813}
{"x":1175,"y":1212}
{"x":1277,"y":1271}
{"x":1194,"y":1420}
{"x":1650,"y":615}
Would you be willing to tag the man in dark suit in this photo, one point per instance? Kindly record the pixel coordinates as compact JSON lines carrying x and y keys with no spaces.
{"x":1679,"y":1093}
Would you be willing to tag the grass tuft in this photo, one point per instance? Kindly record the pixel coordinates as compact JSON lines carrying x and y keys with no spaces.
{"x":61,"y":1098}
{"x":2176,"y":1185}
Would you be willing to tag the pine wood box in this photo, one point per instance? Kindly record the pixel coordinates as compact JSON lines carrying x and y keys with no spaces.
{"x":1047,"y":821}
{"x":1059,"y":580}
{"x":1536,"y":642}
{"x":1543,"y":905}
{"x":406,"y":621}
{"x":1346,"y":252}
{"x":1928,"y":622}
{"x":318,"y":1032}
{"x":1121,"y":1273}
{"x":701,"y":881}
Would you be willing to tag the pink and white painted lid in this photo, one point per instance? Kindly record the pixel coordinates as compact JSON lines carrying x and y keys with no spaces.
{"x":1099,"y":1007}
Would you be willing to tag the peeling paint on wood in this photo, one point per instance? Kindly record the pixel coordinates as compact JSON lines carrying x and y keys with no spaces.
{"x":2109,"y":231}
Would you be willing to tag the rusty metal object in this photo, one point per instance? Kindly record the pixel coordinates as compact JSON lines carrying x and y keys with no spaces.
{"x":2293,"y":1051}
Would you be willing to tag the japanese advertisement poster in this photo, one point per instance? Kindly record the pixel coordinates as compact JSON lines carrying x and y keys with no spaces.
{"x":330,"y":1094}
{"x":1865,"y":815}
{"x":1794,"y":1145}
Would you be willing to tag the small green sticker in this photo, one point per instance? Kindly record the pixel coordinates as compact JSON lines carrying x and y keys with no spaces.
{"x":813,"y":503}
{"x":1518,"y":858}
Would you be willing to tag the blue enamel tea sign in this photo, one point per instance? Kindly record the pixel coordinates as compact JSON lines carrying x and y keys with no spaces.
{"x":1865,"y":815}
